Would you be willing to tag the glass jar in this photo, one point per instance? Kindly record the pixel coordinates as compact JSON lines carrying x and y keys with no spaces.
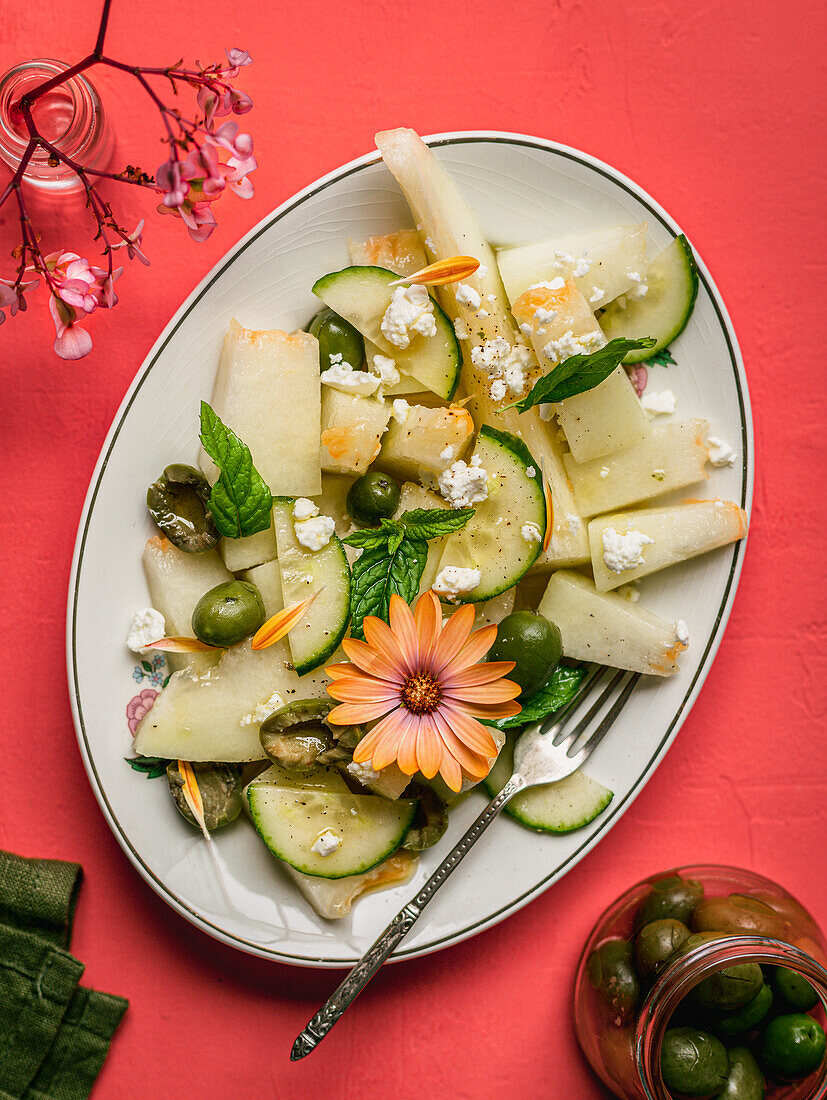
{"x":623,"y":1044}
{"x":70,"y":116}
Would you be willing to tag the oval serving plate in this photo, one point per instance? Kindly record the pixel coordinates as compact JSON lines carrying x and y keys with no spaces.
{"x":523,"y":189}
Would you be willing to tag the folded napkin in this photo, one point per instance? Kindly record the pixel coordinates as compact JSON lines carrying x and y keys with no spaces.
{"x":54,"y":1034}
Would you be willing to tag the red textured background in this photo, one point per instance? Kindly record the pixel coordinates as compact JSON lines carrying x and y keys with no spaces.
{"x":712,"y":108}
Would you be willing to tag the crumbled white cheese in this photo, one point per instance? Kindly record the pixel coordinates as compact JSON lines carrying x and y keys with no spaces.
{"x":682,"y":632}
{"x":604,"y":471}
{"x":429,"y":244}
{"x":401,"y":408}
{"x":461,"y":329}
{"x":483,"y":313}
{"x":658,"y":403}
{"x":543,"y":317}
{"x":262,"y":711}
{"x":385,"y":367}
{"x":454,"y":580}
{"x":622,"y":552}
{"x":568,"y":344}
{"x":498,"y":358}
{"x":326,"y":843}
{"x":530,"y":471}
{"x":597,"y":296}
{"x":720,"y":453}
{"x":491,"y":297}
{"x":563,"y":257}
{"x":640,"y":290}
{"x":304,"y":509}
{"x":573,"y":522}
{"x":315,"y":533}
{"x":364,"y":773}
{"x":481,"y":271}
{"x":467,"y":296}
{"x":557,"y":283}
{"x":526,"y":329}
{"x":446,"y":455}
{"x":531,"y":532}
{"x":498,"y":389}
{"x":411,"y":311}
{"x":462,"y":485}
{"x":341,"y":376}
{"x":581,"y":267}
{"x":147,"y":626}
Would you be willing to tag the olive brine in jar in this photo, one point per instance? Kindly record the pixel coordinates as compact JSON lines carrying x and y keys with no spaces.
{"x":705,"y":982}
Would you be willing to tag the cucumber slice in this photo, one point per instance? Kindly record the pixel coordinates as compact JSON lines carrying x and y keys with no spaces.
{"x":305,"y":572}
{"x":290,"y":819}
{"x":493,"y":539}
{"x":555,"y":808}
{"x":673,"y":287}
{"x":362,"y":294}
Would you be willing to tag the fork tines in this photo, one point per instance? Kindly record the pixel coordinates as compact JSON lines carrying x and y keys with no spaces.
{"x":607,"y":691}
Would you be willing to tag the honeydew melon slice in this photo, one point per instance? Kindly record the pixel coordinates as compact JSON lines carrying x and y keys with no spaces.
{"x":323,"y":574}
{"x":247,"y":552}
{"x":411,"y":497}
{"x":267,"y":579}
{"x":679,"y":532}
{"x":352,"y":427}
{"x":608,"y":629}
{"x":561,"y":807}
{"x":333,"y":897}
{"x":401,"y":252}
{"x":333,"y":501}
{"x":426,"y":441}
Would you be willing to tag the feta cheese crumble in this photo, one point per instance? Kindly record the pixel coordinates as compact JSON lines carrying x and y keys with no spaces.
{"x":638,"y":291}
{"x":500,"y":359}
{"x":262,"y":711}
{"x":573,"y":522}
{"x":304,"y":509}
{"x":341,"y":376}
{"x":531,"y":532}
{"x":411,"y":311}
{"x":498,"y":389}
{"x":463,"y":485}
{"x":622,"y":552}
{"x":544,"y":317}
{"x":467,"y":296}
{"x":446,"y":455}
{"x":481,"y":271}
{"x":568,"y":344}
{"x":454,"y":580}
{"x":557,"y":283}
{"x":530,"y":471}
{"x":461,"y":329}
{"x":401,"y":408}
{"x":147,"y":626}
{"x":658,"y":403}
{"x":682,"y":632}
{"x":326,"y":843}
{"x":597,"y":296}
{"x":720,"y":453}
{"x":385,"y":367}
{"x":581,"y":267}
{"x":312,"y":530}
{"x":362,"y":772}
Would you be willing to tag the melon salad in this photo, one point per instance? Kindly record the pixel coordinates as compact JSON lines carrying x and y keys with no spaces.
{"x":497,"y":403}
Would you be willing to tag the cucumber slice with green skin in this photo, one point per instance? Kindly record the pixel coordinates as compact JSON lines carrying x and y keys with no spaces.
{"x":673,"y":287}
{"x":561,"y":807}
{"x":493,"y":539}
{"x":303,"y":573}
{"x":362,"y":294}
{"x":290,"y":820}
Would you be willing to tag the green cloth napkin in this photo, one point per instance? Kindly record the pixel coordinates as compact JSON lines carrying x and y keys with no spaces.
{"x":54,"y":1034}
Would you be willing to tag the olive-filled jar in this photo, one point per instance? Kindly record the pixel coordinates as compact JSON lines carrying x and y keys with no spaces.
{"x":708,"y":982}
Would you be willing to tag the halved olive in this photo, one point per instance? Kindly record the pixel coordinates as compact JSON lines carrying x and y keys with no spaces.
{"x":656,"y":943}
{"x":179,"y":503}
{"x":671,"y":898}
{"x":693,"y":1062}
{"x":337,"y":337}
{"x":430,"y":820}
{"x":220,"y":786}
{"x":611,"y":973}
{"x":228,"y":613}
{"x":296,"y":735}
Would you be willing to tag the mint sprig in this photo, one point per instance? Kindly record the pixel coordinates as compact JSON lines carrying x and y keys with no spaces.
{"x":560,"y":690}
{"x":240,"y":500}
{"x":579,"y":373}
{"x":662,"y":358}
{"x":151,"y":766}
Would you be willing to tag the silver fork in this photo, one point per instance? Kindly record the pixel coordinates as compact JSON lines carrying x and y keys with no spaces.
{"x":545,"y":752}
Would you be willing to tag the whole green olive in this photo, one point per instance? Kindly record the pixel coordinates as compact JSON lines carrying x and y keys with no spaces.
{"x":671,"y":898}
{"x":729,"y":988}
{"x":693,"y":1062}
{"x":738,"y":914}
{"x":220,"y":786}
{"x":228,"y":613}
{"x":337,"y":337}
{"x":611,"y":973}
{"x":179,"y":503}
{"x":296,"y":735}
{"x":745,"y":1080}
{"x":372,"y":496}
{"x":533,"y":643}
{"x":792,"y":1046}
{"x":656,"y":943}
{"x":793,"y":990}
{"x":746,"y":1018}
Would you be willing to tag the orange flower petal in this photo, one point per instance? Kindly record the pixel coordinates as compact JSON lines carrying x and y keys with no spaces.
{"x":442,"y":272}
{"x":468,"y":729}
{"x":352,"y":714}
{"x":500,"y":692}
{"x":549,"y":508}
{"x":280,"y":624}
{"x":379,"y":637}
{"x":181,"y":645}
{"x":389,"y":732}
{"x":406,"y":751}
{"x":428,"y":620}
{"x":192,"y":795}
{"x":336,"y":672}
{"x":491,"y":711}
{"x":451,"y":771}
{"x":453,"y":637}
{"x":476,"y":647}
{"x":352,"y":689}
{"x":370,"y":662}
{"x":476,"y":674}
{"x":429,"y":747}
{"x":404,"y":629}
{"x":476,"y":765}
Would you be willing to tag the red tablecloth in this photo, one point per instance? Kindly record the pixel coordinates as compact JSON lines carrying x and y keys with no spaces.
{"x":713,"y":110}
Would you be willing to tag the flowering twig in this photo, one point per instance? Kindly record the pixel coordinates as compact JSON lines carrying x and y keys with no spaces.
{"x":190,"y":180}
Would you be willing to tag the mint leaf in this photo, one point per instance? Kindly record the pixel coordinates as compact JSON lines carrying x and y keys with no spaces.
{"x":379,"y":573}
{"x":435,"y":523}
{"x":560,"y":689}
{"x":370,"y":537}
{"x":662,"y":358}
{"x":151,"y":766}
{"x":579,"y":373}
{"x":240,"y":500}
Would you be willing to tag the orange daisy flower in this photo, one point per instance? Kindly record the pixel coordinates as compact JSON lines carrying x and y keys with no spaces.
{"x":424,"y":682}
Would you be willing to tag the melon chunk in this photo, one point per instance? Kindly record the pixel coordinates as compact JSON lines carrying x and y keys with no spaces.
{"x":607,"y":629}
{"x":401,"y":252}
{"x":210,"y":716}
{"x":678,"y":532}
{"x":352,"y":427}
{"x":177,"y":581}
{"x":413,"y":496}
{"x":248,"y":552}
{"x":426,"y":441}
{"x":611,"y":254}
{"x":267,"y":390}
{"x":267,"y":579}
{"x":333,"y":897}
{"x":333,"y":501}
{"x":668,"y":458}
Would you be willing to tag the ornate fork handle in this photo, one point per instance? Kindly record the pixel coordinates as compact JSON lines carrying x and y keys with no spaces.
{"x":346,"y":993}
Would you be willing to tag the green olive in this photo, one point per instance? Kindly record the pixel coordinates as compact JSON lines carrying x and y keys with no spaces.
{"x":220,"y":786}
{"x":296,"y":735}
{"x":656,"y":943}
{"x":533,"y":643}
{"x":791,"y":1046}
{"x":744,"y":1019}
{"x":745,"y":1081}
{"x":228,"y":613}
{"x":179,"y":503}
{"x":671,"y":898}
{"x":729,"y":988}
{"x":337,"y":336}
{"x":611,"y":973}
{"x":372,"y":497}
{"x":430,"y":820}
{"x":738,"y":914}
{"x":693,"y":1062}
{"x":793,"y":990}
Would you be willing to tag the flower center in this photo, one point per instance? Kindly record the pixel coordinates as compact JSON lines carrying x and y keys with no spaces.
{"x":421,"y":694}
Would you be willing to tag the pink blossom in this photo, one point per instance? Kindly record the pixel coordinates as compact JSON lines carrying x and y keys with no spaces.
{"x":169,"y":178}
{"x":240,"y":102}
{"x":238,"y":58}
{"x":638,"y":376}
{"x":238,"y":181}
{"x":132,"y":243}
{"x":72,"y":341}
{"x":108,"y":299}
{"x":74,"y":281}
{"x":228,"y":137}
{"x":138,"y":706}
